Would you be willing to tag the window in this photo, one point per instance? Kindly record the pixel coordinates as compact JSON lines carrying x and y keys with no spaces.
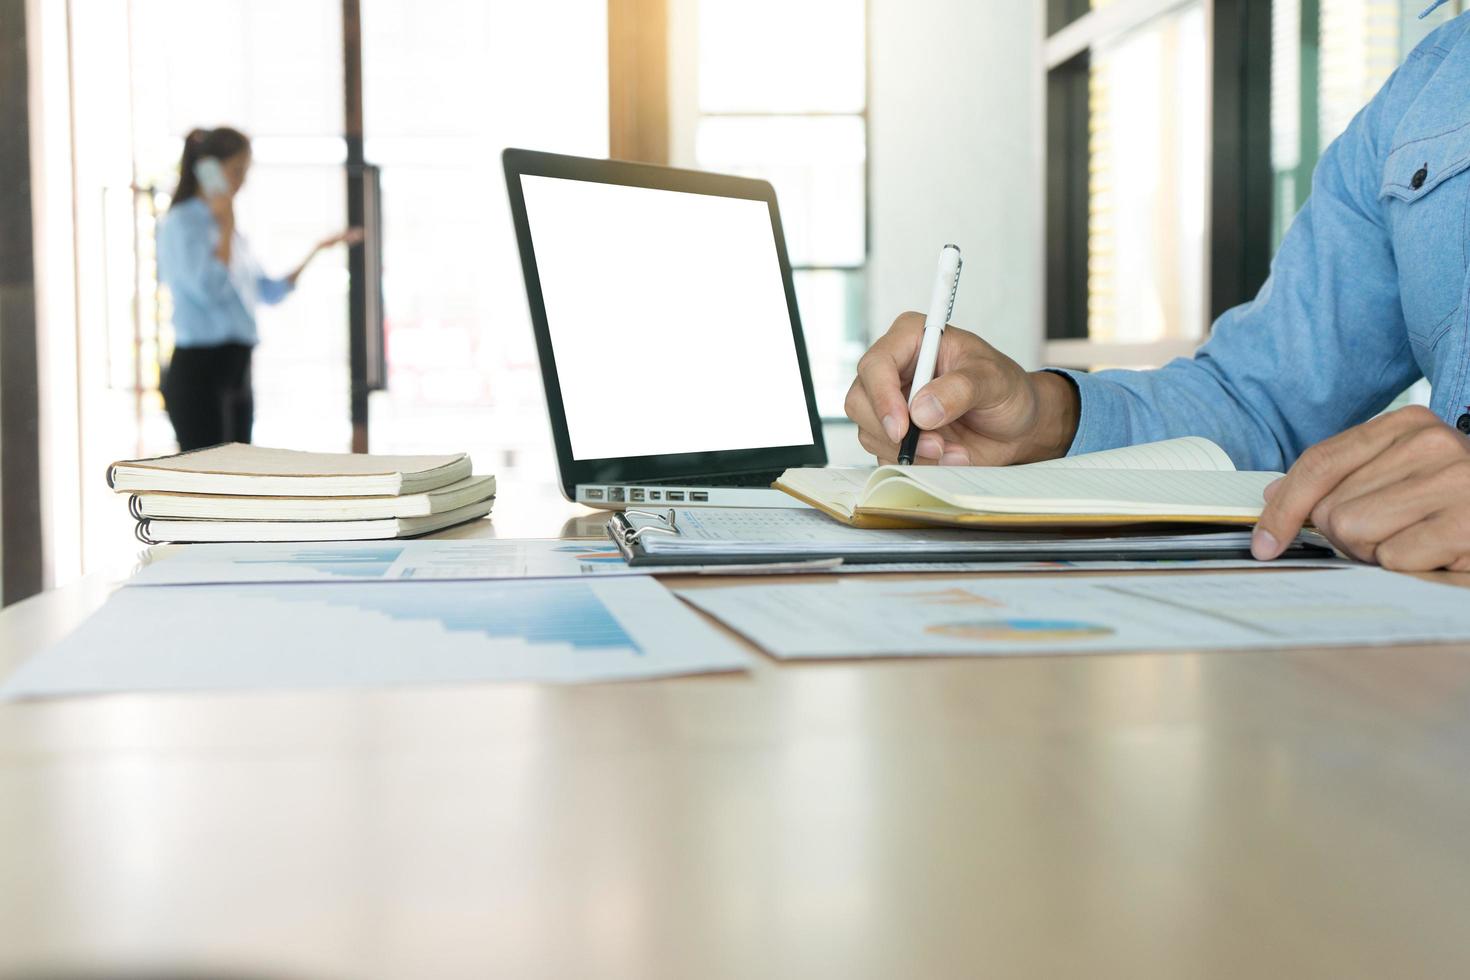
{"x":1155,"y":138}
{"x":1182,"y":136}
{"x":782,"y":95}
{"x":1328,"y":60}
{"x":1147,"y":177}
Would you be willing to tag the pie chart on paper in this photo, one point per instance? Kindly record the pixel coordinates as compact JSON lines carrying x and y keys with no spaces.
{"x":1019,"y":630}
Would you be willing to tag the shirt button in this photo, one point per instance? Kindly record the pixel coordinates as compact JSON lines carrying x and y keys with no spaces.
{"x":1463,"y":423}
{"x":1420,"y":176}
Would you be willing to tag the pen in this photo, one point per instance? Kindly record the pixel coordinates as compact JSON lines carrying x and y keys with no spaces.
{"x":941,"y":306}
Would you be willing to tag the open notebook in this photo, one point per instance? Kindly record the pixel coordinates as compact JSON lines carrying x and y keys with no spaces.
{"x":1178,"y":481}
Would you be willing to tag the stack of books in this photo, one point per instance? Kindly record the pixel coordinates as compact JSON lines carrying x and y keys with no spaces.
{"x":237,"y":492}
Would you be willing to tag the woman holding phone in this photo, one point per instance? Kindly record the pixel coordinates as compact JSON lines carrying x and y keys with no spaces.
{"x":216,"y":285}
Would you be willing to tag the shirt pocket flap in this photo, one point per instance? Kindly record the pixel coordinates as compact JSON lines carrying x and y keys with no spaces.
{"x":1420,"y":165}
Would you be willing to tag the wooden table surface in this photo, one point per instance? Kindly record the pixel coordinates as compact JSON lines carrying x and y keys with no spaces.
{"x":1273,"y":814}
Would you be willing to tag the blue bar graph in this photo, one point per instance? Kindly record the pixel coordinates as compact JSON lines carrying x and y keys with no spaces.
{"x":537,"y":611}
{"x":369,"y":562}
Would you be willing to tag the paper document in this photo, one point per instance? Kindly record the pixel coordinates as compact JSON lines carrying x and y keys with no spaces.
{"x":330,"y":635}
{"x":1188,"y":453}
{"x":870,"y":618}
{"x":1074,"y":490}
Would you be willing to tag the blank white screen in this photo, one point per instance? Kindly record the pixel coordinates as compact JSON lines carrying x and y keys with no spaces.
{"x":668,"y":320}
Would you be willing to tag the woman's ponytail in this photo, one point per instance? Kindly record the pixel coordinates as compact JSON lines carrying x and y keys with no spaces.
{"x":221,"y":143}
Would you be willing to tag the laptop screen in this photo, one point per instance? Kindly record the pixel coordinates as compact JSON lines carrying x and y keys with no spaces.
{"x":668,"y":319}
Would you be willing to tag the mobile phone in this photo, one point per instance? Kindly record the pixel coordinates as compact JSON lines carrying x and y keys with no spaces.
{"x":211,"y":177}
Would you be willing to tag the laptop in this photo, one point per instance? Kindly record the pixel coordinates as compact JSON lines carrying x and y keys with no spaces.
{"x":667,"y":331}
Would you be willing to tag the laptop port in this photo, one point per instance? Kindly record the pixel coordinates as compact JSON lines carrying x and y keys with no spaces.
{"x":615,"y":494}
{"x":655,"y":494}
{"x":675,"y":495}
{"x":592,"y":493}
{"x":698,"y":495}
{"x":636,"y":496}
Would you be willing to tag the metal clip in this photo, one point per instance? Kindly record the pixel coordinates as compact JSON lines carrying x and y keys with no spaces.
{"x":667,"y":516}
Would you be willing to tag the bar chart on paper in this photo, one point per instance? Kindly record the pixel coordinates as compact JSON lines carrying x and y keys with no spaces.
{"x":326,"y":562}
{"x":539,"y":612}
{"x":372,"y":634}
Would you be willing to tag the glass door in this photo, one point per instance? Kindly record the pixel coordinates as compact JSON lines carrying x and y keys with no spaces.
{"x":143,"y":74}
{"x":272,"y":69}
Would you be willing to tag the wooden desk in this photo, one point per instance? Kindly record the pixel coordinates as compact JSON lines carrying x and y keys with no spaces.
{"x":1302,"y":814}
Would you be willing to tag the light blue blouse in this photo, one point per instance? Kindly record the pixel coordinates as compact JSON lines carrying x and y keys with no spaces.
{"x":213,"y":304}
{"x":1369,"y":292}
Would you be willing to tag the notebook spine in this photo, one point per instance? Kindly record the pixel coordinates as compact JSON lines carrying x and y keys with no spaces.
{"x":135,"y":507}
{"x":142,"y":532}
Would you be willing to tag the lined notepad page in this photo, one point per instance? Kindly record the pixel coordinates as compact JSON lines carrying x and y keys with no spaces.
{"x":1189,"y":476}
{"x":1036,"y":490}
{"x":838,"y":487}
{"x":1189,"y":453}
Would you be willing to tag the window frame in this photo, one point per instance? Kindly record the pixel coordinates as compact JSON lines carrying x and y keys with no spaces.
{"x":860,"y":270}
{"x":1241,"y":192}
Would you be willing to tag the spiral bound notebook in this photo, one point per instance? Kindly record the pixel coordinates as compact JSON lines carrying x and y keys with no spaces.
{"x":721,"y":536}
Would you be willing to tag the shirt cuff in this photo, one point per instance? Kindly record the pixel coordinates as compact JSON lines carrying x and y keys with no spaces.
{"x":1101,"y":419}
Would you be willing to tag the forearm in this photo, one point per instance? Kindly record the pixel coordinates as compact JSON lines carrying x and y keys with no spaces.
{"x":295,"y":273}
{"x":1187,"y":397}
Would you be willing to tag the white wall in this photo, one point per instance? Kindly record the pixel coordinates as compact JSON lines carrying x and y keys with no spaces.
{"x":955,"y":141}
{"x":56,"y":338}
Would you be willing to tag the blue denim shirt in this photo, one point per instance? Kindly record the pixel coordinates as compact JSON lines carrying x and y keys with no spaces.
{"x":213,"y":304}
{"x":1367,"y":294}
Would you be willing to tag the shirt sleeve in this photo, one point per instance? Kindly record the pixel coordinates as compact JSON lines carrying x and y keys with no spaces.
{"x":1322,"y":347}
{"x":193,"y":269}
{"x":272,"y":290}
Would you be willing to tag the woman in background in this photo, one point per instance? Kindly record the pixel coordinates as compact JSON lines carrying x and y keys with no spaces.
{"x":216,"y":286}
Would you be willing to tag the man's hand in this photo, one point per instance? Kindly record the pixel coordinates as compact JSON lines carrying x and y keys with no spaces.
{"x":981,"y":409}
{"x":1395,"y":491}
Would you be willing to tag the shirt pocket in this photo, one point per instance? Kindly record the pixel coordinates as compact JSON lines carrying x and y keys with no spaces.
{"x":1426,"y":196}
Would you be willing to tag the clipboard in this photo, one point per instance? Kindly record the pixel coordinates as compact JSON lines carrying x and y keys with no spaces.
{"x":635,"y":543}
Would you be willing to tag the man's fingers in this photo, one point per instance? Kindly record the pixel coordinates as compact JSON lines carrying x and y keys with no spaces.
{"x":1439,"y":541}
{"x":860,"y":410}
{"x":930,"y":445}
{"x":886,"y":452}
{"x":1415,"y":452}
{"x":878,"y":377}
{"x":953,"y":393}
{"x":1361,"y":524}
{"x":1319,"y":471}
{"x":884,"y":369}
{"x":954,"y":455}
{"x":883,"y":451}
